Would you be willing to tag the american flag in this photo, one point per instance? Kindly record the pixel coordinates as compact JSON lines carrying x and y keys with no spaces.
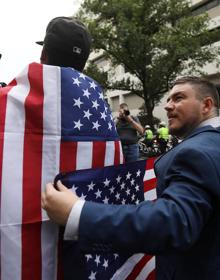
{"x":128,"y":183}
{"x":52,"y":120}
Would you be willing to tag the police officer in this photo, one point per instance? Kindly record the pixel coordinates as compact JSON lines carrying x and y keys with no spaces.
{"x":162,"y":136}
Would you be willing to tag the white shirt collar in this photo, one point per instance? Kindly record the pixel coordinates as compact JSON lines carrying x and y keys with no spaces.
{"x":214,"y":122}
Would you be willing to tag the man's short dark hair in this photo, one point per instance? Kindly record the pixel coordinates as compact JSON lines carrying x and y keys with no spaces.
{"x":205,"y":87}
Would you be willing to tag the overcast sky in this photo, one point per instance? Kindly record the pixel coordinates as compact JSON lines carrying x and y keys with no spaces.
{"x":22,"y":23}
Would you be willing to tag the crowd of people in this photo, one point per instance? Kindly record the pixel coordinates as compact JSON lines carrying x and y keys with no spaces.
{"x":158,"y":141}
{"x":182,"y":226}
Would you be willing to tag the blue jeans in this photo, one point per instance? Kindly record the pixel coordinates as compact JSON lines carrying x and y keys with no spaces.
{"x":131,"y":152}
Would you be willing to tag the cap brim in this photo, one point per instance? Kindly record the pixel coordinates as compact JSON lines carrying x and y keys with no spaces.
{"x":40,"y":43}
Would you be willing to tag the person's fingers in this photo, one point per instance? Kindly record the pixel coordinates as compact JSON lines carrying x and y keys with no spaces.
{"x":61,"y":187}
{"x":49,"y":188}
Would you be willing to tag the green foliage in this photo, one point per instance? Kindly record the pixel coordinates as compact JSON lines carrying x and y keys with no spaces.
{"x":154,"y":40}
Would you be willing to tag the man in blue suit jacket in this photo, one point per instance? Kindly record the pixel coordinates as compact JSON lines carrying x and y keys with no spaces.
{"x":182,"y":228}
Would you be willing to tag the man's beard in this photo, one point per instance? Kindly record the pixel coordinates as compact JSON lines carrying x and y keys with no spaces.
{"x":181,"y":132}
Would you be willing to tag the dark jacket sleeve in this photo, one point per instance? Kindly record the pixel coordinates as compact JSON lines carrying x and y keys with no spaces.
{"x":173,"y":222}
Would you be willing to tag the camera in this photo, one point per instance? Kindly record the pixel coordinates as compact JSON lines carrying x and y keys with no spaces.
{"x":126,"y":112}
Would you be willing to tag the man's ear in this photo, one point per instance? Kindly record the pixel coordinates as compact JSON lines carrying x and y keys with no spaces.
{"x":208,"y":104}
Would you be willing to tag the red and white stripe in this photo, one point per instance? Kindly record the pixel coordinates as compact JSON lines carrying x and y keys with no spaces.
{"x":141,"y":266}
{"x":31,"y":154}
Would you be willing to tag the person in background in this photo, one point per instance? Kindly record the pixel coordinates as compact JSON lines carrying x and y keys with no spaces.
{"x":48,"y":106}
{"x":128,"y":128}
{"x":162,"y":136}
{"x":182,"y":227}
{"x":148,"y":134}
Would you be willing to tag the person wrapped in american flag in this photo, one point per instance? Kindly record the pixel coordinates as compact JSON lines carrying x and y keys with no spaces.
{"x":53,"y":118}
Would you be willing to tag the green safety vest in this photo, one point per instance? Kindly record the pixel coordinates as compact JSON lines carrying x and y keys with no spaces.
{"x":149,"y":134}
{"x":163,"y":133}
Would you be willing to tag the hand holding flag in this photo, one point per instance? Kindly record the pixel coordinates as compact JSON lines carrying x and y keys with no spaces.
{"x":122,"y":184}
{"x":58,"y":203}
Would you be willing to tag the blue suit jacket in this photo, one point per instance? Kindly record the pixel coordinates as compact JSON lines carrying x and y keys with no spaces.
{"x":182,"y":228}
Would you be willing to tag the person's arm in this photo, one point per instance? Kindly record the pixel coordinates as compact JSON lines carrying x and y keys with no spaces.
{"x":136,"y":125}
{"x":174,"y":221}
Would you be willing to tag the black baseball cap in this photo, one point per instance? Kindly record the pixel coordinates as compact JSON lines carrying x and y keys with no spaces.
{"x":68,"y":35}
